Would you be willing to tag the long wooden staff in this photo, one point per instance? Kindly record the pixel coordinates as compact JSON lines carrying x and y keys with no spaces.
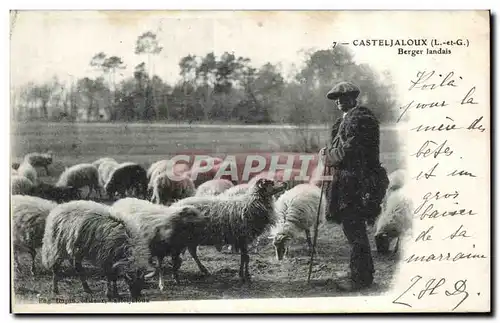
{"x":317,"y":222}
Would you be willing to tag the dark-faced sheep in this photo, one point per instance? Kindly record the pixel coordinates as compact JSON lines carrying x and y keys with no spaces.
{"x":127,"y":176}
{"x":86,"y":230}
{"x":79,"y":176}
{"x":167,"y":230}
{"x":54,"y":193}
{"x":20,"y":185}
{"x":28,"y":224}
{"x":213,"y":187}
{"x":236,"y":220}
{"x":297,"y":212}
{"x":167,"y":189}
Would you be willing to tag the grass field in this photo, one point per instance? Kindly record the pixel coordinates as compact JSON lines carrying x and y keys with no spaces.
{"x":145,"y":144}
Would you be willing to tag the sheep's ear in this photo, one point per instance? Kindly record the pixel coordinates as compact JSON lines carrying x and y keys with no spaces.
{"x":150,"y":275}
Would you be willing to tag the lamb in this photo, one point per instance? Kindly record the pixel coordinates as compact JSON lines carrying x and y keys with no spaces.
{"x":40,"y":159}
{"x":167,"y":230}
{"x":236,"y":220}
{"x":297,"y":212}
{"x":79,"y":176}
{"x":166,"y":190}
{"x":54,"y":193}
{"x":28,"y":171}
{"x":28,"y":224}
{"x":86,"y":230}
{"x":394,"y":221}
{"x":102,"y":160}
{"x":127,"y":176}
{"x":213,"y":187}
{"x":20,"y":185}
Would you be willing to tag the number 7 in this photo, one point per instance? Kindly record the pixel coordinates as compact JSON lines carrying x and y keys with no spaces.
{"x":334,"y":44}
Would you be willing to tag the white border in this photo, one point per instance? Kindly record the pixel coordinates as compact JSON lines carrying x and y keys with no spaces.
{"x":190,"y":4}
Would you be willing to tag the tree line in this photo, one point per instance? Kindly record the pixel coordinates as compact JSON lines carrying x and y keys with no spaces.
{"x":225,"y":88}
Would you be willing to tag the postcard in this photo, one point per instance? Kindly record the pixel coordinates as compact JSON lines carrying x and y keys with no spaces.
{"x":250,"y":161}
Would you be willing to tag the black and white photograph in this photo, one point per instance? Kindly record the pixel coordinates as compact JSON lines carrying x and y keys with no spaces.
{"x":298,"y":161}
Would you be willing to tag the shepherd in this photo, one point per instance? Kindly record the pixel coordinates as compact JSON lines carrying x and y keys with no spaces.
{"x":359,"y":181}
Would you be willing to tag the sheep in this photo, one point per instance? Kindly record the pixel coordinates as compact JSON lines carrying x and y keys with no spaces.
{"x":54,"y":193}
{"x":86,"y":230}
{"x":236,"y":190}
{"x":213,"y":187}
{"x":297,"y":210}
{"x":28,"y":224}
{"x":105,"y":169}
{"x":200,"y":175}
{"x":40,"y":159}
{"x":236,"y":220}
{"x":280,"y":175}
{"x":20,"y":185}
{"x":81,"y":175}
{"x":126,"y":176}
{"x":166,"y":190}
{"x":28,"y":171}
{"x":397,"y":180}
{"x":167,"y":230}
{"x":394,"y":220}
{"x":100,"y":161}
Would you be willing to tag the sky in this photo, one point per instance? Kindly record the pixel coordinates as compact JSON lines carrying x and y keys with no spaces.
{"x":62,"y":43}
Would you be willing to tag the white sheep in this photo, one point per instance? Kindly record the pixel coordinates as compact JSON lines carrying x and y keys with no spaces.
{"x":102,"y":160}
{"x":236,"y":190}
{"x":213,"y":187}
{"x":167,"y":230}
{"x":394,"y":221}
{"x":28,"y":224}
{"x":86,"y":230}
{"x":20,"y":185}
{"x":105,"y":169}
{"x":236,"y":220}
{"x":297,"y":210}
{"x":28,"y":171}
{"x":79,"y":176}
{"x":166,"y":190}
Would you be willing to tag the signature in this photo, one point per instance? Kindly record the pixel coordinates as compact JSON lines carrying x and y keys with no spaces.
{"x":419,"y":288}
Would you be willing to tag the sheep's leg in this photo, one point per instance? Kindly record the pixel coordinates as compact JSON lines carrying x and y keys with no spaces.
{"x":88,"y":194}
{"x":111,"y":287}
{"x":81,"y":274}
{"x":55,"y":278}
{"x":396,"y":248}
{"x":176,"y":264}
{"x":46,"y":169}
{"x":245,"y":259}
{"x":33,"y":256}
{"x":192,"y":251}
{"x":160,"y":273}
{"x":308,"y":238}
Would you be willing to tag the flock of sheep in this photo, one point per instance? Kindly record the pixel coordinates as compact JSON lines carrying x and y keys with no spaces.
{"x":155,"y":215}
